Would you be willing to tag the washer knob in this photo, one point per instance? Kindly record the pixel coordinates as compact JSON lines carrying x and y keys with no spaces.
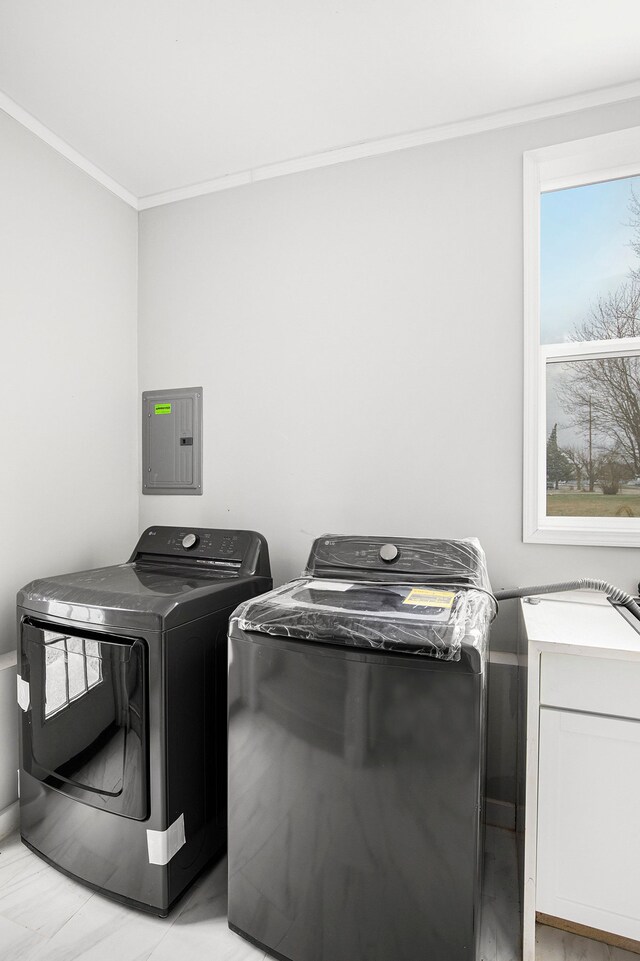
{"x":388,"y":553}
{"x":189,"y":541}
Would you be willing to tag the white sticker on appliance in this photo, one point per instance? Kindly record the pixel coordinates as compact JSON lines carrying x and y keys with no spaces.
{"x":162,"y":845}
{"x":23,"y":693}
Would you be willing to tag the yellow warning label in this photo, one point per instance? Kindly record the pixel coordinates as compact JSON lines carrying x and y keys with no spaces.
{"x":420,"y":597}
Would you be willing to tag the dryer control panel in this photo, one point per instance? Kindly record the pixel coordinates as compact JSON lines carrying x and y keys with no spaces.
{"x":243,"y":552}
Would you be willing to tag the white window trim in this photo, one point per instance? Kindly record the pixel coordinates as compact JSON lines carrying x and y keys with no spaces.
{"x":607,"y":157}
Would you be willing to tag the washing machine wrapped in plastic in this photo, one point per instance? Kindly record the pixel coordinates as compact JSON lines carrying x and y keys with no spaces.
{"x":436,"y":597}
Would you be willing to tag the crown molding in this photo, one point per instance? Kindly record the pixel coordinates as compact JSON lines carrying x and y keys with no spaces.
{"x":370,"y":148}
{"x":27,"y":120}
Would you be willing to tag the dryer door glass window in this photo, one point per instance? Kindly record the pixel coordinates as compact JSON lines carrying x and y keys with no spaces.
{"x":73,"y":665}
{"x":84,"y":732}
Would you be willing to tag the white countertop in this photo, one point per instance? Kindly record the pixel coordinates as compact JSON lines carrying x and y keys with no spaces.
{"x":582,"y":621}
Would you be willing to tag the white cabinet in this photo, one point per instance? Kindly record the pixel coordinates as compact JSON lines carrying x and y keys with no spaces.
{"x":588,"y":844}
{"x":582,"y":816}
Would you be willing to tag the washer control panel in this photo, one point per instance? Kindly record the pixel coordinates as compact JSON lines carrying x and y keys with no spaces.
{"x":353,"y":557}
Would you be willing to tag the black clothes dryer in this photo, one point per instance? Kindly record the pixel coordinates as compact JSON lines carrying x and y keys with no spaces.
{"x":356,"y":754}
{"x":122,"y":685}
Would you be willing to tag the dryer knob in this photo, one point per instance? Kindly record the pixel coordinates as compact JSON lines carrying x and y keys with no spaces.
{"x":388,"y":552}
{"x":189,"y":541}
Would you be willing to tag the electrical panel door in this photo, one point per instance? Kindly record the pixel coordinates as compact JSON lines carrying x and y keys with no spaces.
{"x":172,"y":441}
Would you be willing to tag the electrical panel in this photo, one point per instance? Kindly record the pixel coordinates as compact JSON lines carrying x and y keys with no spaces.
{"x":172,"y":441}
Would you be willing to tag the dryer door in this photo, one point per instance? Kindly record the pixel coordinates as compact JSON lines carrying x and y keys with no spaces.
{"x":84,"y":728}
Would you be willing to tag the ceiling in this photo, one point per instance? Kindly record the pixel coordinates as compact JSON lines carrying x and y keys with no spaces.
{"x":166,"y":94}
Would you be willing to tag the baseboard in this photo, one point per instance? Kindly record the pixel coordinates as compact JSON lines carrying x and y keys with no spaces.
{"x":615,"y":940}
{"x":500,"y":814}
{"x":9,"y":819}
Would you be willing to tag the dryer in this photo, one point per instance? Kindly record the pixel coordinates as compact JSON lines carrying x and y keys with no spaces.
{"x":122,"y":685}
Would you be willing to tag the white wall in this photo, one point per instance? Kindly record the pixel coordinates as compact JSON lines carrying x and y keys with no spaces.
{"x":68,"y":300}
{"x":358,"y":333}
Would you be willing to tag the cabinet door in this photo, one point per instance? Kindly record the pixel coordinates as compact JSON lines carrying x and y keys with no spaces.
{"x":589,"y":820}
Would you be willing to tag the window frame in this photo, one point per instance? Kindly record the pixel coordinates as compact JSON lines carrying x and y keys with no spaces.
{"x":577,"y":163}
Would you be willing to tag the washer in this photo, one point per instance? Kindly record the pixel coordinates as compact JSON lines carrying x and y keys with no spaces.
{"x":122,"y":685}
{"x":356,"y":754}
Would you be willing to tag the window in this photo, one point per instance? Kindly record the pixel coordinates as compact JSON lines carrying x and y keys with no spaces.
{"x":582,"y":342}
{"x":73,"y":666}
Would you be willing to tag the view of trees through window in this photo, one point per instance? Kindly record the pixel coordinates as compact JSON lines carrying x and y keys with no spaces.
{"x":590,"y":291}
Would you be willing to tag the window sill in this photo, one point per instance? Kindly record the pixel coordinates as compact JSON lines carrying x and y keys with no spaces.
{"x":598,"y":532}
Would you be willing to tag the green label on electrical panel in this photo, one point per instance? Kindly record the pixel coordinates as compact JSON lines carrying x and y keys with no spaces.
{"x":162,"y":408}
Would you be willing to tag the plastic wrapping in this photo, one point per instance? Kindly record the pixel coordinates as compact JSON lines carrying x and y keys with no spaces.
{"x":435,"y":597}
